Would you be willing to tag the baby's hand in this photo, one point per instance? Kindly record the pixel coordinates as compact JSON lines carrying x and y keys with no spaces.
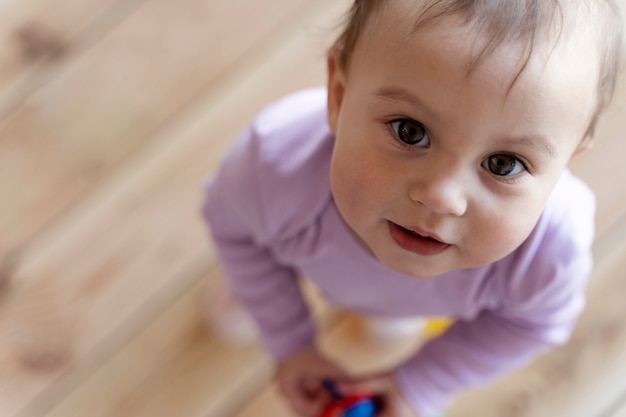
{"x":300,"y":377}
{"x":383,"y":386}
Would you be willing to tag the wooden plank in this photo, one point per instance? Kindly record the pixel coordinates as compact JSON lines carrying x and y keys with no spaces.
{"x":36,"y":37}
{"x":268,"y":403}
{"x":138,"y":238}
{"x":106,"y":105}
{"x":176,"y":367}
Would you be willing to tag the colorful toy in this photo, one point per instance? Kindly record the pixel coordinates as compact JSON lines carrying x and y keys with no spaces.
{"x":354,"y":405}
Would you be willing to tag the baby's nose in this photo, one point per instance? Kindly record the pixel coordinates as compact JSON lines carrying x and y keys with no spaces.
{"x":441,"y":193}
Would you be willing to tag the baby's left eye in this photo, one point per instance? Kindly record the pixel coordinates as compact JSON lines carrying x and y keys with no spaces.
{"x":503,"y":165}
{"x":411,"y":132}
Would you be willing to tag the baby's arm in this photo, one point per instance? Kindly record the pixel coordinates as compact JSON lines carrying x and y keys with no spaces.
{"x":272,"y":296}
{"x":468,"y":354}
{"x":471,"y":353}
{"x":234,"y":208}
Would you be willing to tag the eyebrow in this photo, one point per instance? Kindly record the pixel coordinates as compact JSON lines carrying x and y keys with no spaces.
{"x":537,"y":142}
{"x":399,"y":94}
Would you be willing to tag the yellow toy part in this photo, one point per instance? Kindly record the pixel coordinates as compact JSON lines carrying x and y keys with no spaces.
{"x":434,"y":326}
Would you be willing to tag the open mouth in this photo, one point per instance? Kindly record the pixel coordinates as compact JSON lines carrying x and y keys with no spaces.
{"x":414,"y":242}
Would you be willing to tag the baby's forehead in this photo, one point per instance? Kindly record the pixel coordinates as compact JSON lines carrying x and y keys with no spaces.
{"x":501,"y":21}
{"x":552,"y":27}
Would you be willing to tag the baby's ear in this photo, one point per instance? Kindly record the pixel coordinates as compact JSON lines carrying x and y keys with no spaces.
{"x":336,"y":89}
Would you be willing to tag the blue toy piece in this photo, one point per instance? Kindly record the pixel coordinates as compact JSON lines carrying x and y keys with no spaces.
{"x":364,"y":407}
{"x":354,"y":405}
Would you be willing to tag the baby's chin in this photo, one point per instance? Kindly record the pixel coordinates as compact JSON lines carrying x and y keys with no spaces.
{"x":416,"y":269}
{"x":433,"y":268}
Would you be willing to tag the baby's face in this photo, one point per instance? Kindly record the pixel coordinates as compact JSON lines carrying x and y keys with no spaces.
{"x":435,"y":169}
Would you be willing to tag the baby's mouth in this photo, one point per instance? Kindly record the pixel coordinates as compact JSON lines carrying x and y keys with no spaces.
{"x":414,"y":242}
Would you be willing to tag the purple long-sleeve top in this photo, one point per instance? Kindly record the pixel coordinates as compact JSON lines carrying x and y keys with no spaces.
{"x":272,"y":217}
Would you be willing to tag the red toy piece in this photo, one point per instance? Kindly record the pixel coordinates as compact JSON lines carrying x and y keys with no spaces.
{"x":353,"y":405}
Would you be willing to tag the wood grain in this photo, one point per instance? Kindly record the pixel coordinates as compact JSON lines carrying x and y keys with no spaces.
{"x":179,"y":366}
{"x":138,"y":237}
{"x":99,"y":109}
{"x":177,"y":363}
{"x":36,"y":38}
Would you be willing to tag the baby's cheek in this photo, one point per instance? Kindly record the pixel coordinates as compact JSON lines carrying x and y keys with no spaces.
{"x":348,"y":193}
{"x":499,"y":238}
{"x":354,"y":182}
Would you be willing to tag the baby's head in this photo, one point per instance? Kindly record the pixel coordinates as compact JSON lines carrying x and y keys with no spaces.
{"x":454,"y":119}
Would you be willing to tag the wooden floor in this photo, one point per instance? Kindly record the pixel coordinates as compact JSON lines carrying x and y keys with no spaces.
{"x":111,"y":114}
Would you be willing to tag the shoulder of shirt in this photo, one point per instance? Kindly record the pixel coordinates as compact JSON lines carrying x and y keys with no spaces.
{"x":307,"y":106}
{"x":290,"y":147}
{"x":570,"y":211}
{"x":557,"y":254}
{"x":566,"y":229}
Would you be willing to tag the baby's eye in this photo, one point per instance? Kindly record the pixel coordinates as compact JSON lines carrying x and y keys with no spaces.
{"x":411,"y":132}
{"x":503,"y":165}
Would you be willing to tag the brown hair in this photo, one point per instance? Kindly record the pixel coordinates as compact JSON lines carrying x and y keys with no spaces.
{"x":504,"y":21}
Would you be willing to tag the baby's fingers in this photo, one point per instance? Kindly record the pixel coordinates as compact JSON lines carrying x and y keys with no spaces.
{"x":308,"y":399}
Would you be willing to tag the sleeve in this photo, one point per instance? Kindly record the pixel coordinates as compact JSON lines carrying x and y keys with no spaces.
{"x":541,"y":289}
{"x":236,"y":209}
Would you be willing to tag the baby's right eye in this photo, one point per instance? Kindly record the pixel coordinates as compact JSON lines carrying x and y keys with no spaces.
{"x":411,"y":132}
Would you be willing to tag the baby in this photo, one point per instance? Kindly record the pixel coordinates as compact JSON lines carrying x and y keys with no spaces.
{"x":428,"y":179}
